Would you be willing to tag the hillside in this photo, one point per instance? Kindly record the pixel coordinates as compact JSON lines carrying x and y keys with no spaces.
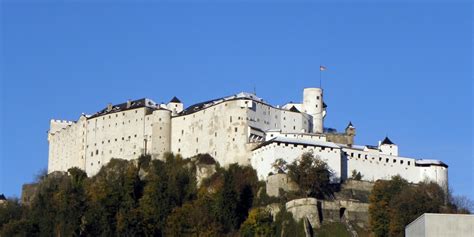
{"x":196,"y":197}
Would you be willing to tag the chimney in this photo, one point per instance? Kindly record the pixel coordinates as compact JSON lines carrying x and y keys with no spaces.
{"x":129,"y":104}
{"x":109,"y":107}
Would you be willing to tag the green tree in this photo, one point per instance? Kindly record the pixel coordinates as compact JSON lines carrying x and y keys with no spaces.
{"x":413,"y":201}
{"x":380,"y":198}
{"x":259,"y":223}
{"x":312,"y":175}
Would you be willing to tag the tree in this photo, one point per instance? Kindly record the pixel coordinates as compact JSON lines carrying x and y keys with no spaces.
{"x":259,"y":223}
{"x":312,"y":175}
{"x":379,"y":208}
{"x":280,"y":166}
{"x":10,"y":210}
{"x":463,"y":204}
{"x":356,"y":175}
{"x":226,"y":205}
{"x":411,"y":202}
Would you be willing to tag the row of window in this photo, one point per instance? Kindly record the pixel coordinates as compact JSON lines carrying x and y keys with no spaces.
{"x":387,"y":160}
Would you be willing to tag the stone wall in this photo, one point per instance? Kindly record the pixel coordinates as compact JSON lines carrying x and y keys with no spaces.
{"x":305,"y":208}
{"x":279,"y":181}
{"x":322,"y":211}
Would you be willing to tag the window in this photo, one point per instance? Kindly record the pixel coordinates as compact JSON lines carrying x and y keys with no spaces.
{"x":197,"y":139}
{"x":235,"y":129}
{"x":182,"y":132}
{"x":408,"y":162}
{"x":231,"y":119}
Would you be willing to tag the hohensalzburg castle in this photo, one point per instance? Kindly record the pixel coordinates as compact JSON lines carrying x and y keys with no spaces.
{"x":240,"y":129}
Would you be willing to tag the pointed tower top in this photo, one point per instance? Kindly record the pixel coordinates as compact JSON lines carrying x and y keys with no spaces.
{"x":387,"y":141}
{"x":175,"y":100}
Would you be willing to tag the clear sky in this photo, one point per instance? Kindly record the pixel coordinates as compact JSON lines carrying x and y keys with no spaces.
{"x":395,"y":68}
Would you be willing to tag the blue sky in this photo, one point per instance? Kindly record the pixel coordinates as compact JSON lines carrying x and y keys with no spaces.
{"x":395,"y":68}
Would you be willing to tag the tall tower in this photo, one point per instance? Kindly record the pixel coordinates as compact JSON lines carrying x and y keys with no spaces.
{"x":313,"y":105}
{"x":161,"y":138}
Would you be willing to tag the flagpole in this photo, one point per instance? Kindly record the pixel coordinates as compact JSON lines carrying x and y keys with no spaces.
{"x":320,"y":76}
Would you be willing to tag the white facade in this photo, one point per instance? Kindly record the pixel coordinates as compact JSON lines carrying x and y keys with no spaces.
{"x":240,"y":129}
{"x":441,"y":225}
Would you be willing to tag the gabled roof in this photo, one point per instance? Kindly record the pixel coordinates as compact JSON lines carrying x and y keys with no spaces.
{"x":294,"y":109}
{"x":387,"y":141}
{"x":175,"y":100}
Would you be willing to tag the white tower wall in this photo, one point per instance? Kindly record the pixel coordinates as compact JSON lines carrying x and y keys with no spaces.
{"x":313,"y":105}
{"x":161,"y":130}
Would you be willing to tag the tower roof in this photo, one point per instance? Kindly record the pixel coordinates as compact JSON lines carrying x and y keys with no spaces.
{"x":294,"y":109}
{"x":387,"y":141}
{"x":175,"y":100}
{"x":350,"y":124}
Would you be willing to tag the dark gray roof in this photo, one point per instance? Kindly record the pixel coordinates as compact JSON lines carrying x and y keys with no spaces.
{"x":387,"y":141}
{"x":2,"y":197}
{"x":175,"y":100}
{"x":294,"y":109}
{"x":124,"y":106}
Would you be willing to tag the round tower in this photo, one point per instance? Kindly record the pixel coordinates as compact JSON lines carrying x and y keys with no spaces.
{"x":313,"y":105}
{"x":161,"y":133}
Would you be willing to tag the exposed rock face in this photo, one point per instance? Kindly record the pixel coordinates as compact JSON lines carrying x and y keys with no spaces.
{"x":28,"y":193}
{"x":204,"y":171}
{"x":276,"y":182}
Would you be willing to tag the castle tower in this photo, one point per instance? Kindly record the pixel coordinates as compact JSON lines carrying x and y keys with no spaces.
{"x":351,"y":132}
{"x":388,"y":147}
{"x":161,"y":133}
{"x":175,"y":105}
{"x":313,"y":105}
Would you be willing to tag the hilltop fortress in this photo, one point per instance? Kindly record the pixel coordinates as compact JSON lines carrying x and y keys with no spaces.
{"x":241,"y":129}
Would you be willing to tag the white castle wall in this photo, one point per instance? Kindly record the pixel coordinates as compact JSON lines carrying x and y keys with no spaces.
{"x":228,"y":129}
{"x":220,"y":130}
{"x":374,"y":166}
{"x":66,"y":140}
{"x":264,"y":157}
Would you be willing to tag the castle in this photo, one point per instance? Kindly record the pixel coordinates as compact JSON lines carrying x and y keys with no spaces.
{"x":241,"y":128}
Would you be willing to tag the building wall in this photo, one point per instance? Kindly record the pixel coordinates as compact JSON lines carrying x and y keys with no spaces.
{"x":220,"y":130}
{"x":66,"y":140}
{"x":264,"y":157}
{"x":440,"y":225}
{"x":376,"y":165}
